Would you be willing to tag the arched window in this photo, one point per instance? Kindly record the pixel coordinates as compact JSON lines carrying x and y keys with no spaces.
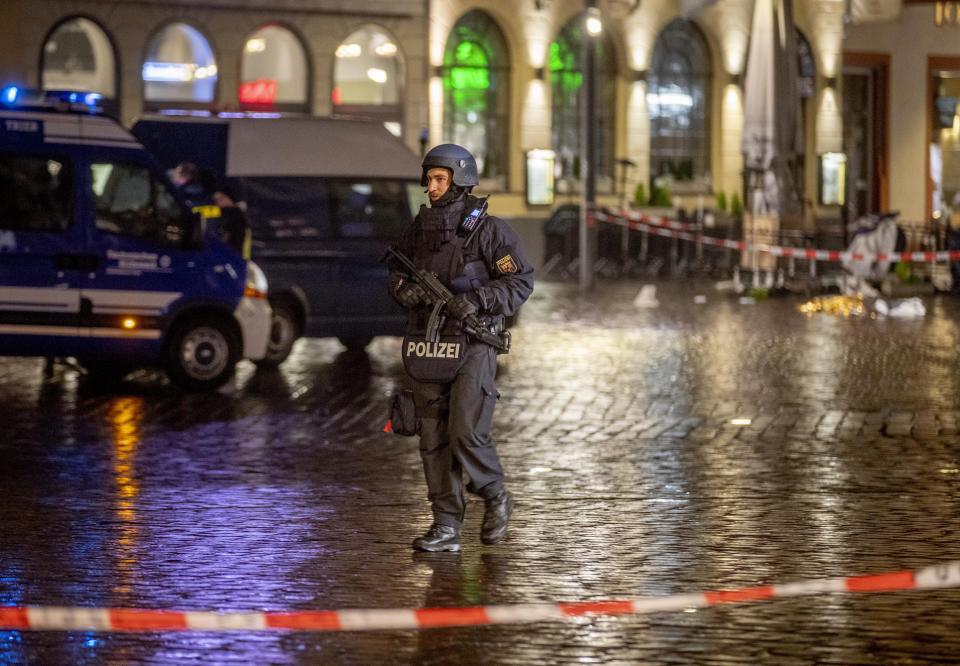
{"x":78,"y":55}
{"x":180,"y":69}
{"x":678,"y":101}
{"x":368,"y":76}
{"x":566,"y":81}
{"x":274,"y":73}
{"x":476,"y":93}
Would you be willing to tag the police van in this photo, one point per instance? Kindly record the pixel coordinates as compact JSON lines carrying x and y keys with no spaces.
{"x":102,"y":260}
{"x":325,"y":197}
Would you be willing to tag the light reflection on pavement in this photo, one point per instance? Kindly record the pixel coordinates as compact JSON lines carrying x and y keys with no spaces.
{"x":615,"y":428}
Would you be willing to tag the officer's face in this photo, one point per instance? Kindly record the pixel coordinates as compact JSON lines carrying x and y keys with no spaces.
{"x":438,"y":182}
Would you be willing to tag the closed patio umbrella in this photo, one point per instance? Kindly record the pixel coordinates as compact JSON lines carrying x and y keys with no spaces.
{"x":771,"y":128}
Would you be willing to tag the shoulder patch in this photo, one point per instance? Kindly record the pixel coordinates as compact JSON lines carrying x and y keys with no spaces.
{"x":506,"y":264}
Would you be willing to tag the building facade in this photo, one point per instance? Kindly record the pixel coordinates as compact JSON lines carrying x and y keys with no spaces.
{"x":903,"y":73}
{"x":310,"y":56}
{"x":505,"y":76}
{"x":878,"y":85}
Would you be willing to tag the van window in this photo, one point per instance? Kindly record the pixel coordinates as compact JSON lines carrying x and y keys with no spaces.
{"x":372,"y":209}
{"x":416,"y":197}
{"x":131,"y":202}
{"x":35,"y":193}
{"x":288,"y":208}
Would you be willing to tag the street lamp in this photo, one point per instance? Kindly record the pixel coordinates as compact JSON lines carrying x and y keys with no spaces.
{"x":593,"y":26}
{"x":593,"y":23}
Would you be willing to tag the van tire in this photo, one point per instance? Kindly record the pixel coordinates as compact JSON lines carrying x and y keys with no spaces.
{"x":202,"y":354}
{"x":357,"y":344}
{"x":284,"y":332}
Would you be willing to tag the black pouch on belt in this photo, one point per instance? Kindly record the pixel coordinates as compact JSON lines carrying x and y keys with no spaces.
{"x":403,"y":413}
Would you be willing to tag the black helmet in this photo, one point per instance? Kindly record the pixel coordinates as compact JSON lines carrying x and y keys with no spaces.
{"x":456,"y":158}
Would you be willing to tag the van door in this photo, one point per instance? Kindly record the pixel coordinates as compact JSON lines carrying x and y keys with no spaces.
{"x":294,"y":243}
{"x":150,"y":258}
{"x":42,"y":261}
{"x":370,"y":215}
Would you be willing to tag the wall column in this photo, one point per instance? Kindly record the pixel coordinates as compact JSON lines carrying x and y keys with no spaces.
{"x":729,"y":178}
{"x":638,"y":137}
{"x":827,"y":42}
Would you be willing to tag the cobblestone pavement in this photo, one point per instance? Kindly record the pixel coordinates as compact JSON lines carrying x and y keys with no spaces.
{"x":614,"y":426}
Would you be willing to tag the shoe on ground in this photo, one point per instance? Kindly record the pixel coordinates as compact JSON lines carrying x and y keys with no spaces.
{"x":438,"y":539}
{"x":496,"y":516}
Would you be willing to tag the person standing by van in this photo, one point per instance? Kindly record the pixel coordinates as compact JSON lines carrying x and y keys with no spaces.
{"x":234,"y":226}
{"x":481,"y":260}
{"x":194,"y":183}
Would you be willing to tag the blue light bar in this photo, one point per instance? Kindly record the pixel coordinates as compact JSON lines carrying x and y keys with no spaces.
{"x":57,"y":100}
{"x":10,"y":94}
{"x":77,"y":99}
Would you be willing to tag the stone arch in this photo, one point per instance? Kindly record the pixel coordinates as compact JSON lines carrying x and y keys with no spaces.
{"x":476,"y":80}
{"x":198,"y":43}
{"x":79,"y":53}
{"x":368,"y":75}
{"x":293,"y":93}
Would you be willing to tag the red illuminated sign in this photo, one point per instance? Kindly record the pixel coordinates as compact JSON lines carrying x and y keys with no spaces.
{"x":261,"y":91}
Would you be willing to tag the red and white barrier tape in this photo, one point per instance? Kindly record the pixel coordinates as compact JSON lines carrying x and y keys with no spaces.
{"x":54,"y":618}
{"x":650,"y":220}
{"x":660,"y":226}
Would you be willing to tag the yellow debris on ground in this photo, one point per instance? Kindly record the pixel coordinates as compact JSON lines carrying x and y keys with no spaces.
{"x":835,"y":305}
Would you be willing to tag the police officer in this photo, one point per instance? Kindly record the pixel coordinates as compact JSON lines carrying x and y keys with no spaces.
{"x":481,"y":260}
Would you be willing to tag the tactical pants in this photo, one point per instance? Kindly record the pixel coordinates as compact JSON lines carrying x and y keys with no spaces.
{"x":455,"y":422}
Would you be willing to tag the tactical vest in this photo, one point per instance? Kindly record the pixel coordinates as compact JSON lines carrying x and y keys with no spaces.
{"x":458,"y":263}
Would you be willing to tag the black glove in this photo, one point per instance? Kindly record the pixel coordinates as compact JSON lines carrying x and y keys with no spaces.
{"x":411,"y":295}
{"x":463,"y":305}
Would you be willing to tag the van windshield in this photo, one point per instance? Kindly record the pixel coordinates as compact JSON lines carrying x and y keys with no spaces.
{"x":303,"y":208}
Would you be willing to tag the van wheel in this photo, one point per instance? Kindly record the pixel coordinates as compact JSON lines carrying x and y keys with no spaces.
{"x":355,"y":344}
{"x":284,"y":331}
{"x":202,"y":354}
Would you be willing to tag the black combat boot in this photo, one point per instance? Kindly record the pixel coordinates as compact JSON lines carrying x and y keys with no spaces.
{"x":496,"y":515}
{"x":439,"y":538}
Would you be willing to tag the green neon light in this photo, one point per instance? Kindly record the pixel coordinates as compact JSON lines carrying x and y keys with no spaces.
{"x":468,"y":69}
{"x":465,"y":78}
{"x":561,"y":57}
{"x":465,"y":101}
{"x":565,"y":52}
{"x":472,"y":54}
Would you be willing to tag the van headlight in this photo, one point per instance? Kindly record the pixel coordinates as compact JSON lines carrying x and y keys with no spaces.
{"x":256,"y":285}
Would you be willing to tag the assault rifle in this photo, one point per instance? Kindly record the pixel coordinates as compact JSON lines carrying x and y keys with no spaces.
{"x":439,"y":296}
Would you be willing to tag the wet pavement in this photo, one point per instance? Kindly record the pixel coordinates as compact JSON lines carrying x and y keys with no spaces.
{"x":281,"y":492}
